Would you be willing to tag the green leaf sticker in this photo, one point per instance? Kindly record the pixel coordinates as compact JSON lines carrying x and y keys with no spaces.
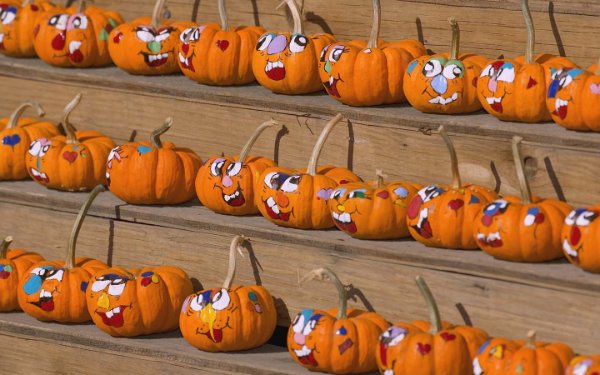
{"x":520,"y":368}
{"x":112,"y":22}
{"x":8,"y":268}
{"x":103,"y":35}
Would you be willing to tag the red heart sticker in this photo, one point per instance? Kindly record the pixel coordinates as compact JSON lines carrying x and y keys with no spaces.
{"x":222,"y":44}
{"x":383,"y":194}
{"x":423,"y":348}
{"x":448,"y":336}
{"x":70,"y":156}
{"x":455,"y":204}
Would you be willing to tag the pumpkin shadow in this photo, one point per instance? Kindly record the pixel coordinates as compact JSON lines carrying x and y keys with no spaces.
{"x":355,"y":294}
{"x":280,"y":134}
{"x":350,"y":164}
{"x":111,"y":242}
{"x":279,"y":337}
{"x":464,"y":314}
{"x":255,"y":13}
{"x":312,"y":17}
{"x":496,"y":175}
{"x":196,"y":285}
{"x":554,"y":179}
{"x":555,"y":31}
{"x":195,"y":8}
{"x":254,"y":263}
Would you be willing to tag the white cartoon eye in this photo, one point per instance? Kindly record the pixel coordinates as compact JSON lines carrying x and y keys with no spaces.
{"x":196,"y":303}
{"x":565,"y":81}
{"x":216,"y":167}
{"x":221,"y":300}
{"x":337,"y":193}
{"x":323,"y":53}
{"x":555,"y":73}
{"x":38,"y":271}
{"x":298,"y":323}
{"x":290,"y":185}
{"x":357,"y":194}
{"x":59,"y":21}
{"x":336,"y":54}
{"x":116,"y":287}
{"x":507,"y":75}
{"x":585,"y":219}
{"x":570,"y":219}
{"x":100,"y":285}
{"x":43,"y":150}
{"x":35,"y":147}
{"x":234,"y":169}
{"x":309,"y":327}
{"x":192,"y":34}
{"x":8,"y":15}
{"x":298,"y":43}
{"x":271,"y":180}
{"x":452,"y":71}
{"x":163,"y":35}
{"x":487,"y":71}
{"x":56,"y":274}
{"x":80,"y":22}
{"x":264,"y":42}
{"x":144,"y":34}
{"x":477,"y":370}
{"x":432,"y":68}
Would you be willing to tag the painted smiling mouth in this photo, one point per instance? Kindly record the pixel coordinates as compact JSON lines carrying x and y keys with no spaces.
{"x":154,"y":60}
{"x":491,"y":240}
{"x":114,"y":317}
{"x":344,"y":222}
{"x":236,"y":199}
{"x":496,"y":103}
{"x":423,"y":226}
{"x":187,"y":62}
{"x":75,"y":53}
{"x":217,"y":335}
{"x":306,"y":356}
{"x":331,"y":87}
{"x":573,"y":253}
{"x":45,"y":302}
{"x":39,"y":176}
{"x":561,"y":108}
{"x":443,"y":101}
{"x":275,"y":70}
{"x":274,"y":211}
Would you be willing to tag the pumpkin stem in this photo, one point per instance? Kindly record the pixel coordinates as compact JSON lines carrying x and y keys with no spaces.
{"x":296,"y":16}
{"x":456,"y":182}
{"x":158,"y":7}
{"x":236,"y":246}
{"x":327,"y":274}
{"x":254,"y":137}
{"x":314,"y":157}
{"x":16,"y":115}
{"x":434,"y":312}
{"x":380,"y":178}
{"x":223,"y":15}
{"x":70,"y":262}
{"x":374,"y":37}
{"x":155,"y":136}
{"x":530,"y":342}
{"x":4,"y":246}
{"x":530,"y":47}
{"x":455,"y":38}
{"x":70,"y":129}
{"x":81,"y":6}
{"x":26,"y":2}
{"x":520,"y":166}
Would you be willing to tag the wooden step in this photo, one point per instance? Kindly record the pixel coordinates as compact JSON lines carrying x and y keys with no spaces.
{"x":507,"y":299}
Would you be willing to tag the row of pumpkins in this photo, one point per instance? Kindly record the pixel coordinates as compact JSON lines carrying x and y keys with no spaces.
{"x":455,"y":216}
{"x":530,"y":88}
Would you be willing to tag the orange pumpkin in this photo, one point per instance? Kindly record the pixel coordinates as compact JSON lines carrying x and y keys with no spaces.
{"x":75,"y":36}
{"x":137,"y":302}
{"x":506,"y":357}
{"x":337,"y":341}
{"x":521,"y":230}
{"x":580,"y":237}
{"x":75,"y":162}
{"x":17,"y":24}
{"x":225,"y":184}
{"x":147,"y":45}
{"x":372,"y":210}
{"x":16,"y":136}
{"x":347,"y":69}
{"x":428,"y":348}
{"x":298,"y":198}
{"x":445,"y":83}
{"x":13,"y":266}
{"x":286,"y":63}
{"x":55,"y":290}
{"x":443,"y":216}
{"x":515,"y":90}
{"x":220,"y":56}
{"x":229,"y":318}
{"x":584,"y":365}
{"x":152,"y":172}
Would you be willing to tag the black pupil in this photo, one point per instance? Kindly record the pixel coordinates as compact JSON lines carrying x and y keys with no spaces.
{"x":261,"y":42}
{"x":300,"y":40}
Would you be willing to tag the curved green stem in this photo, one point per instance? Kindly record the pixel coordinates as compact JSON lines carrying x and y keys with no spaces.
{"x":236,"y":246}
{"x":156,"y":13}
{"x":4,"y":246}
{"x":376,"y":25}
{"x":434,"y":312}
{"x":323,"y":274}
{"x":455,"y":39}
{"x":70,"y":262}
{"x":155,"y":136}
{"x":530,"y":47}
{"x":69,"y":128}
{"x":520,"y":166}
{"x":530,"y":342}
{"x":223,"y":16}
{"x":314,"y":157}
{"x":13,"y":120}
{"x":380,"y":178}
{"x":456,"y":182}
{"x":248,"y":146}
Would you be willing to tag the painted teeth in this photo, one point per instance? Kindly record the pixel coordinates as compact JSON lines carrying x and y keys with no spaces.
{"x":273,"y":65}
{"x":182,"y":58}
{"x":35,"y":172}
{"x":232,"y":196}
{"x":303,"y":352}
{"x":561,"y":103}
{"x":117,"y":310}
{"x":45,"y":294}
{"x":442,"y":100}
{"x":388,"y":372}
{"x":1,"y":37}
{"x":493,"y":100}
{"x":330,"y":80}
{"x":109,"y":314}
{"x":272,"y":205}
{"x":74,"y":46}
{"x":490,"y":237}
{"x":569,"y":250}
{"x":163,"y":56}
{"x":343,"y":217}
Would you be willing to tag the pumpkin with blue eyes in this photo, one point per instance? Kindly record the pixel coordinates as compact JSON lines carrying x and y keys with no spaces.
{"x":372,"y":210}
{"x":225,"y":184}
{"x":580,"y":237}
{"x":229,"y":318}
{"x":55,"y":290}
{"x":286,"y":63}
{"x":297,"y":198}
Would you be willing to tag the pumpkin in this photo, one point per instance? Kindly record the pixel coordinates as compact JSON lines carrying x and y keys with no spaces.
{"x":152,"y":172}
{"x":444,"y":83}
{"x":506,"y":357}
{"x":218,"y":55}
{"x":298,"y":198}
{"x":229,"y":318}
{"x":16,"y":135}
{"x":515,"y":89}
{"x":13,"y":266}
{"x":138,"y":301}
{"x":17,"y":23}
{"x":337,"y":341}
{"x":75,"y":162}
{"x":428,"y":348}
{"x":55,"y":290}
{"x":372,"y":210}
{"x":443,"y":216}
{"x":367,"y":73}
{"x":581,"y":238}
{"x":584,"y":365}
{"x":521,"y":230}
{"x":147,"y":45}
{"x":286,"y":63}
{"x":75,"y":36}
{"x":225,"y":184}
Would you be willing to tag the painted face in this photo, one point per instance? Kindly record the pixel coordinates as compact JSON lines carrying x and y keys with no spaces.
{"x":110,"y":306}
{"x":389,"y":339}
{"x":278,"y":190}
{"x":187,"y":41}
{"x":8,"y":14}
{"x":43,"y":284}
{"x":442,"y":79}
{"x":155,"y":46}
{"x":330,"y":55}
{"x":36,"y":153}
{"x":492,"y":210}
{"x":497,"y":79}
{"x":304,"y":345}
{"x":415,"y":210}
{"x":577,"y":222}
{"x":117,"y":155}
{"x":274,"y":49}
{"x":559,"y":90}
{"x":214,"y":308}
{"x":227,"y":175}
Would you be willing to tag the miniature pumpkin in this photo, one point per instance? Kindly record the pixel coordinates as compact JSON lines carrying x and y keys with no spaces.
{"x":147,"y":45}
{"x":75,"y":162}
{"x":444,"y":83}
{"x":580,"y":237}
{"x":297,"y":198}
{"x":229,"y":318}
{"x":521,"y":230}
{"x":75,"y":36}
{"x":515,"y":90}
{"x":55,"y":290}
{"x":506,"y":357}
{"x":286,"y":63}
{"x":220,"y":56}
{"x":225,"y":184}
{"x":346,"y":69}
{"x":17,"y":23}
{"x":433,"y":348}
{"x":584,"y":365}
{"x":16,"y":136}
{"x":137,"y":302}
{"x":152,"y":172}
{"x":13,"y":265}
{"x":372,"y":210}
{"x":443,"y":216}
{"x":337,"y":341}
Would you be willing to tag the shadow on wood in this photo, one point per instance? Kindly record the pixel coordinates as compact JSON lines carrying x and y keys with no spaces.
{"x":282,"y":132}
{"x":312,"y":17}
{"x":554,"y":179}
{"x":356,"y":294}
{"x":555,"y":32}
{"x":464,"y":314}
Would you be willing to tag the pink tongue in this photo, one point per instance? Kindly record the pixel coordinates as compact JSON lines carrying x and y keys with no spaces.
{"x":76,"y":56}
{"x":58,"y":43}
